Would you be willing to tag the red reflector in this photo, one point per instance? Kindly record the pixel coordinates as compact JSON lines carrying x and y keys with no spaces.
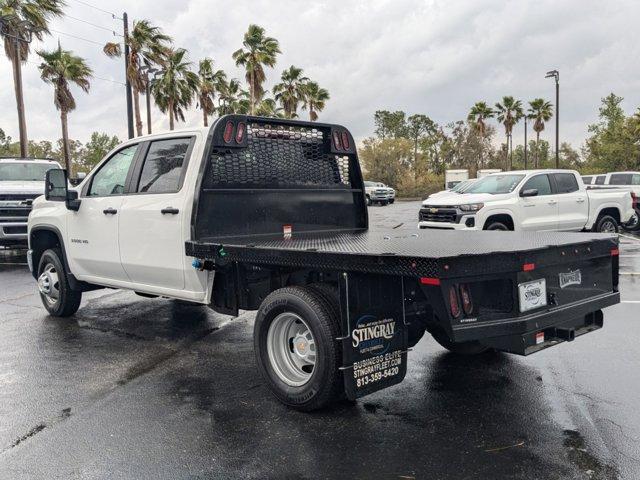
{"x":615,"y":252}
{"x":527,"y":267}
{"x":336,"y":141}
{"x":345,"y":140}
{"x":429,"y":281}
{"x":539,"y":338}
{"x":453,"y":302}
{"x":240,"y":132}
{"x":467,"y":302}
{"x":228,"y":132}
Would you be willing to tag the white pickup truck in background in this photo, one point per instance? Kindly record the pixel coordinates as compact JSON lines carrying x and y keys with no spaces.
{"x":21,"y":181}
{"x":628,"y":181}
{"x":530,"y":200}
{"x":377,"y":192}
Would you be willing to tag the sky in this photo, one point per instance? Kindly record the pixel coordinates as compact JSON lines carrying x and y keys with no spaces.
{"x":436,"y":57}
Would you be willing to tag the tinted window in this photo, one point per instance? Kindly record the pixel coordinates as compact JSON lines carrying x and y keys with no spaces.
{"x":624,"y":179}
{"x":600,"y":180}
{"x":112,"y":176}
{"x":496,"y":184}
{"x":540,"y":183}
{"x":587,"y":180}
{"x":566,"y":182}
{"x":163,"y":164}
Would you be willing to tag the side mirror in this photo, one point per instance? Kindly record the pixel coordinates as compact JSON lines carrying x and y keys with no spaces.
{"x":56,"y":185}
{"x":530,"y":192}
{"x":56,"y":189}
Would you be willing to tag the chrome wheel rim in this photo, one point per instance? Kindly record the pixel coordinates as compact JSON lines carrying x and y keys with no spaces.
{"x":49,"y":284}
{"x":291,"y":349}
{"x":608,"y":227}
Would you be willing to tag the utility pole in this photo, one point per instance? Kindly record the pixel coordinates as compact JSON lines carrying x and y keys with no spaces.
{"x":125,"y":21}
{"x":525,"y":142}
{"x":17,"y":80}
{"x":555,"y":74}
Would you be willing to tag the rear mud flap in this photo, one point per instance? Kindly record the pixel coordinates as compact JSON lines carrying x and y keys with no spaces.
{"x":374,"y":332}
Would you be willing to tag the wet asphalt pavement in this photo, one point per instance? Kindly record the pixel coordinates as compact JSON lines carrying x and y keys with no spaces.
{"x":138,"y":388}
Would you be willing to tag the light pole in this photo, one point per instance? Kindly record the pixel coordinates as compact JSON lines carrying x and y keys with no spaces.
{"x":18,"y":38}
{"x":125,"y":21}
{"x":147,"y":69}
{"x":525,"y":142}
{"x":556,"y":74}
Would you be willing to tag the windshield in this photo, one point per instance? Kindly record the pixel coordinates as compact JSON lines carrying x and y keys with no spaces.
{"x":24,"y":171}
{"x":461,"y":187}
{"x":496,"y":184}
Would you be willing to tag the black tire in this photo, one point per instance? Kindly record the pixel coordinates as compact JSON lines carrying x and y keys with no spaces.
{"x":369,"y":201}
{"x":459,"y":348}
{"x":68,"y":300}
{"x":384,"y":203}
{"x":606,"y":222}
{"x":497,"y":226}
{"x":391,"y":201}
{"x":325,"y":384}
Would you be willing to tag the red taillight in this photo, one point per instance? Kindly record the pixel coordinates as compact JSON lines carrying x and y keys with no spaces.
{"x":453,"y":302}
{"x":345,"y":140}
{"x":430,"y":281}
{"x":467,"y":302}
{"x":336,"y":141}
{"x":528,"y":267}
{"x":240,"y":132}
{"x":228,"y":132}
{"x":615,"y":252}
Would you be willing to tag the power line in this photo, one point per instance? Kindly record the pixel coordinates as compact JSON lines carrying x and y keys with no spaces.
{"x":93,"y":24}
{"x":77,"y":37}
{"x":98,"y":8}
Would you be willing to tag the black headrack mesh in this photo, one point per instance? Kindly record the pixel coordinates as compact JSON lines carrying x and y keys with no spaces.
{"x":280,"y":156}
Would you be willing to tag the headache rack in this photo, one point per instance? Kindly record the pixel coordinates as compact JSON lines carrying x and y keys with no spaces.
{"x":263,"y":175}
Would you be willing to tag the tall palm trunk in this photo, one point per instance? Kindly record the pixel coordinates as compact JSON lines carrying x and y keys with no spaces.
{"x":537,"y":148}
{"x":17,"y":82}
{"x":171,"y":126}
{"x":65,"y":142}
{"x":136,"y":109}
{"x":204,"y":117}
{"x":252,"y":91}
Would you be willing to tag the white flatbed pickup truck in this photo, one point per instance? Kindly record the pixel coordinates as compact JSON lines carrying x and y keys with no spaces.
{"x":530,"y":200}
{"x":270,"y":215}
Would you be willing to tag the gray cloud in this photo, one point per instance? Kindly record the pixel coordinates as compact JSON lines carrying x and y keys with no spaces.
{"x":434,"y":57}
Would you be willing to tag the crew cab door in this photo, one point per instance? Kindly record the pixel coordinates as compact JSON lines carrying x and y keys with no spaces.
{"x":573,"y":203}
{"x":539,"y":212}
{"x":152,"y":221}
{"x":92,"y":231}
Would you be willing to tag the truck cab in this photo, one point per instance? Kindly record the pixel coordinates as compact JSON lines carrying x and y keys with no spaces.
{"x":21,"y":181}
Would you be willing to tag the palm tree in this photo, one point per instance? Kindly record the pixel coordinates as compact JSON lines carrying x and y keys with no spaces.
{"x":268,"y":107}
{"x":209,"y":81}
{"x":509,"y":113}
{"x":540,"y":111}
{"x":259,"y":51}
{"x":175,"y":86}
{"x":19,"y":21}
{"x":147,"y":45}
{"x":479,"y":114}
{"x":314,"y":98}
{"x":60,"y":68}
{"x":231,"y":97}
{"x":290,"y":91}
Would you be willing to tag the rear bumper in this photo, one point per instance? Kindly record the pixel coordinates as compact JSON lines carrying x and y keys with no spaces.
{"x":530,"y":324}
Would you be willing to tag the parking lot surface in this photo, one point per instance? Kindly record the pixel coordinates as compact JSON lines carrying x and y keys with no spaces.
{"x":139,"y":388}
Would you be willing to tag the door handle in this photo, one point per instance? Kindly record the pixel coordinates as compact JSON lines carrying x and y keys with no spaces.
{"x":580,"y":200}
{"x":170,"y":210}
{"x":552,"y":202}
{"x":529,"y":205}
{"x":109,"y":211}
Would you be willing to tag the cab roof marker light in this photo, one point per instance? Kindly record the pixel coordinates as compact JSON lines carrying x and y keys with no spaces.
{"x":228,"y":132}
{"x":345,"y":140}
{"x":240,"y":132}
{"x":336,"y":141}
{"x":615,"y":252}
{"x":430,"y":281}
{"x":528,"y":267}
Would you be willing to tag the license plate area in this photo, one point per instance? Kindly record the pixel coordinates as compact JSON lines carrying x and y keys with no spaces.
{"x":532,"y":294}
